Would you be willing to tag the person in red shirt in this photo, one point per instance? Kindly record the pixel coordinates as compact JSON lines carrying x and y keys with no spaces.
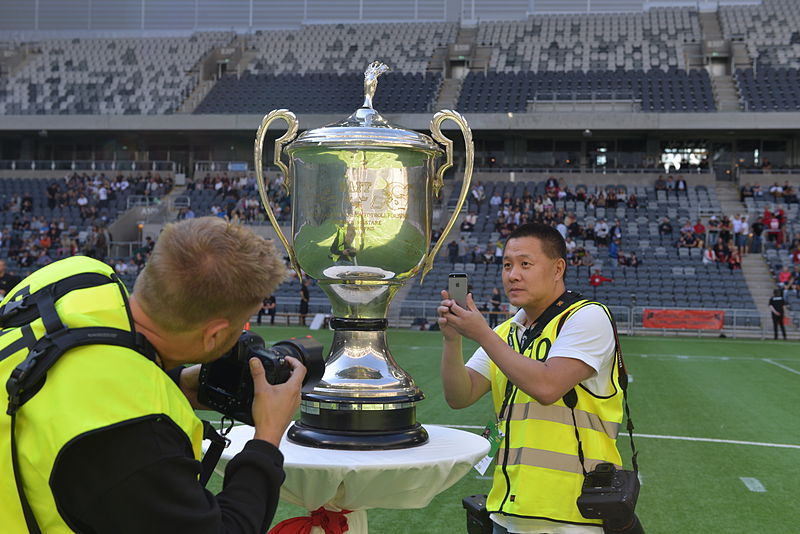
{"x":699,"y":229}
{"x":596,"y":280}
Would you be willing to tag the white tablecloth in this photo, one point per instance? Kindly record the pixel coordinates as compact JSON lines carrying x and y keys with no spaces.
{"x":359,"y":480}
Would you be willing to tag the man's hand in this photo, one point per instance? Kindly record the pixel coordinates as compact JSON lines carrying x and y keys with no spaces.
{"x":274,"y":406}
{"x":455,"y":320}
{"x":190,"y":383}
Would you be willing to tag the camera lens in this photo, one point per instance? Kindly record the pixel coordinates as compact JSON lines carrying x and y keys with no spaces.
{"x":307,"y":350}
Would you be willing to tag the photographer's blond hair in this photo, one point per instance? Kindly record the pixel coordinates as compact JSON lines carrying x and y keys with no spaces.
{"x":206,"y":268}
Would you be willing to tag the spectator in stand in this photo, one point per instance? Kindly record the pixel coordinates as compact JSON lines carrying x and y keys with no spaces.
{"x":477,"y":195}
{"x":469,"y":222}
{"x":735,"y":260}
{"x":709,"y":256}
{"x":670,"y":186}
{"x":632,"y":202}
{"x":571,"y":246}
{"x":742,"y":235}
{"x":613,"y":256}
{"x":7,"y":279}
{"x":587,"y":260}
{"x":789,"y":193}
{"x":699,"y":231}
{"x":596,"y":280}
{"x":574,"y":229}
{"x":784,"y":278}
{"x":774,"y":222}
{"x":776,"y":190}
{"x":463,"y":249}
{"x":726,"y":229}
{"x":721,"y":251}
{"x":495,"y":301}
{"x":665,"y":229}
{"x":633,"y":261}
{"x":680,"y":186}
{"x":452,"y":251}
{"x":777,"y":308}
{"x":795,"y":255}
{"x":757,"y":229}
{"x":616,"y":230}
{"x":688,"y":239}
{"x":661,"y":184}
{"x":601,"y":231}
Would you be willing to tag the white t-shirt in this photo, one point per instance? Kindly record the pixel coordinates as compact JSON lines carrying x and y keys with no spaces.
{"x":586,"y":336}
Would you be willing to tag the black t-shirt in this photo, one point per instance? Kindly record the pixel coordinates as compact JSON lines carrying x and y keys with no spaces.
{"x":268,"y":304}
{"x":8,"y":281}
{"x":777,"y":304}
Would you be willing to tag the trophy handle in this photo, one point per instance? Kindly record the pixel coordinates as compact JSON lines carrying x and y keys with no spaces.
{"x":438,"y":180}
{"x":291,"y":133}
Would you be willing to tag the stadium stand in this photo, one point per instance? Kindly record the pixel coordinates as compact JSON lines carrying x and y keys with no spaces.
{"x":560,"y":43}
{"x":656,"y":90}
{"x":771,"y":31}
{"x":320,"y":93}
{"x":107,"y":76}
{"x":540,"y":59}
{"x":348,"y":48}
{"x":769,"y":89}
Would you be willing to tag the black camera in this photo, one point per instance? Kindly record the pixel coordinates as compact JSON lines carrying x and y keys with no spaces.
{"x":610,"y":494}
{"x":227,"y":386}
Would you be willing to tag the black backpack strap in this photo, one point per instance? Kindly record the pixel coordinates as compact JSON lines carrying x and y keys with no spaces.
{"x":30,"y":519}
{"x":29,"y":376}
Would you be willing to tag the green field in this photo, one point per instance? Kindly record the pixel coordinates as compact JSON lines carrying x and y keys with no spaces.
{"x":714,"y":418}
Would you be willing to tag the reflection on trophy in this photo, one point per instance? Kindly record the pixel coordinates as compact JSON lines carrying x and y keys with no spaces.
{"x":362,"y":193}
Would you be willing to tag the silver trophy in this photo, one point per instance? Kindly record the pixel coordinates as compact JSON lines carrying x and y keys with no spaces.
{"x":362,"y":192}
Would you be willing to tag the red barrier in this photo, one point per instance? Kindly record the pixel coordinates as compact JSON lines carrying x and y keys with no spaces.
{"x":684,"y":319}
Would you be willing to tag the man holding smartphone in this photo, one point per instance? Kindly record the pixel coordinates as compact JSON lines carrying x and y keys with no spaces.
{"x":556,"y":343}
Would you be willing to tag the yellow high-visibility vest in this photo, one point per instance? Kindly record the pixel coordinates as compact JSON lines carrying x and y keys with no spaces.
{"x":89,"y":388}
{"x":538,"y":473}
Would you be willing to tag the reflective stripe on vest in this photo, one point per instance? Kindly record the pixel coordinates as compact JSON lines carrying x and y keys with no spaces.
{"x":91,"y":387}
{"x":538,"y":473}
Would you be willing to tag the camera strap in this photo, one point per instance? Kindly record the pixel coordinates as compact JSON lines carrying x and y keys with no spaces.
{"x":214,"y":452}
{"x":571,"y":400}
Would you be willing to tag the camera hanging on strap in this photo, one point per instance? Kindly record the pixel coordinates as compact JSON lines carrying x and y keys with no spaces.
{"x":609,"y":493}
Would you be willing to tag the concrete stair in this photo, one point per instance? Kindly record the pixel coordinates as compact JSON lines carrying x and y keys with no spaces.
{"x":759,"y":280}
{"x":726,"y":96}
{"x":448,"y":94}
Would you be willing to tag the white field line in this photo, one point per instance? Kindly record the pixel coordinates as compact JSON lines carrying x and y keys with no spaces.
{"x":682,"y":438}
{"x":753,"y":484}
{"x":655,"y":436}
{"x":773,"y":362}
{"x":709,"y":357}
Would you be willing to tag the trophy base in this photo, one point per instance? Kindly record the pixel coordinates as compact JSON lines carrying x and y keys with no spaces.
{"x":321,"y":438}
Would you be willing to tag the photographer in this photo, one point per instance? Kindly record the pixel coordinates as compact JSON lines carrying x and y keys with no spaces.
{"x":556,"y":342}
{"x":110,"y":443}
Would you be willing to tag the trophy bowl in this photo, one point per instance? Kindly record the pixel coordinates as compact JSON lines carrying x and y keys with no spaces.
{"x":361,"y":192}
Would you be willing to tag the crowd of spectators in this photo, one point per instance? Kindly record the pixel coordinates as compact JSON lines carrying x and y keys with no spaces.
{"x":32,"y":241}
{"x":776,"y":192}
{"x":236,"y":198}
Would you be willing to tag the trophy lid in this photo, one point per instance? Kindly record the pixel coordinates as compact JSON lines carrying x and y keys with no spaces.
{"x":366,"y":128}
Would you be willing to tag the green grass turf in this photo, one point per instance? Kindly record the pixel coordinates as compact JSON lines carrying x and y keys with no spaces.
{"x":697,"y":388}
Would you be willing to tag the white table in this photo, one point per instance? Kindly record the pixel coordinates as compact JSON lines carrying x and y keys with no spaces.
{"x":359,"y":480}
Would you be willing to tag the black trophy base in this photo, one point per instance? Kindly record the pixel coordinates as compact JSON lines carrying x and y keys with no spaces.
{"x":362,"y":440}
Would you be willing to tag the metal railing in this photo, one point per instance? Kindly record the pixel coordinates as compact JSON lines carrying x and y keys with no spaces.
{"x":738,"y":323}
{"x":222,"y":166}
{"x":86,"y":165}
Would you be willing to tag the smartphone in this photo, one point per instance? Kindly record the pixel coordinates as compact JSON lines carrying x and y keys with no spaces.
{"x":457,"y":288}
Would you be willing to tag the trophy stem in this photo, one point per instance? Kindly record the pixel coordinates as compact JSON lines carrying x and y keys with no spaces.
{"x":364,"y":400}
